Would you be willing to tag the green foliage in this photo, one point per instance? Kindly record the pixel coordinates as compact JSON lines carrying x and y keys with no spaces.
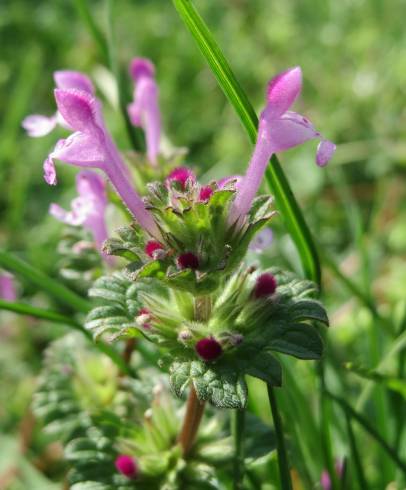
{"x":79,"y":261}
{"x":190,"y":225}
{"x":118,"y":305}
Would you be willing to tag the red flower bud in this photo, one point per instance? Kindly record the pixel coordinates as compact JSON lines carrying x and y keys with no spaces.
{"x":208,"y":349}
{"x":205,"y":193}
{"x":265,"y":285}
{"x":188,"y":260}
{"x":127,"y":466}
{"x":151,"y":247}
{"x":181,"y":175}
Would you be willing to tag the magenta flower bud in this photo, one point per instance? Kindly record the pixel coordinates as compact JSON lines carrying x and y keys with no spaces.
{"x":7,"y":287}
{"x":181,"y":175}
{"x":208,"y":349}
{"x":127,"y":466}
{"x":144,"y":110}
{"x":188,"y":260}
{"x":265,"y":285}
{"x":152,"y":249}
{"x":279,"y":129}
{"x":205,"y":193}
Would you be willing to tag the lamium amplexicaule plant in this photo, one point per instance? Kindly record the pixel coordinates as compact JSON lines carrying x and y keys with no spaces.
{"x":180,"y":318}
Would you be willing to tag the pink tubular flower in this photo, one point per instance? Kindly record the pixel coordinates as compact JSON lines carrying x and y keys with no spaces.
{"x":37,"y":125}
{"x":91,"y":146}
{"x":279,"y":129}
{"x":7,"y":287}
{"x":144,"y":110}
{"x":127,"y":466}
{"x":88,"y":209}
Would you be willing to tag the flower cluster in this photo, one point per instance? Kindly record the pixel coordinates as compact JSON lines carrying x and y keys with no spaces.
{"x":186,"y":288}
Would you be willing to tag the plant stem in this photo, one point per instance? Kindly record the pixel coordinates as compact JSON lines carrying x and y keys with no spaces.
{"x":325,"y":427}
{"x":238,"y":430}
{"x":286,"y":482}
{"x":194,"y":407}
{"x":191,"y":422}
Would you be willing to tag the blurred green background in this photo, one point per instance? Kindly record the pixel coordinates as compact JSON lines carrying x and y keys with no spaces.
{"x":352,"y":53}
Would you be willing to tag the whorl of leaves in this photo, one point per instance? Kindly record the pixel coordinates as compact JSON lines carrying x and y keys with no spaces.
{"x":287,"y":325}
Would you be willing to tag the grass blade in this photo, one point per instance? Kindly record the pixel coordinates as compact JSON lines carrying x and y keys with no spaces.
{"x":14,"y":264}
{"x":355,"y":456}
{"x":85,"y":14}
{"x":52,"y":316}
{"x":275,"y":177}
{"x":135,"y":135}
{"x":366,"y":425}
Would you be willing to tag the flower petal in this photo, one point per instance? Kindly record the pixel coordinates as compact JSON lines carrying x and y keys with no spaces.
{"x":61,"y":214}
{"x":141,"y":67}
{"x":78,"y":108}
{"x":7,"y":287}
{"x":283,"y":90}
{"x":67,"y":79}
{"x":325,"y":151}
{"x":134,"y":112}
{"x":81,"y":149}
{"x":92,"y":186}
{"x":49,"y":171}
{"x":231,"y":179}
{"x":290,"y":130}
{"x":37,"y":125}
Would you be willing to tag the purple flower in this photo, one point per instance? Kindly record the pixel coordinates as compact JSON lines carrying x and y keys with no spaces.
{"x":144,"y":110}
{"x":91,"y":146}
{"x":7,"y":287}
{"x":88,"y":209}
{"x":38,"y":125}
{"x":279,"y":129}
